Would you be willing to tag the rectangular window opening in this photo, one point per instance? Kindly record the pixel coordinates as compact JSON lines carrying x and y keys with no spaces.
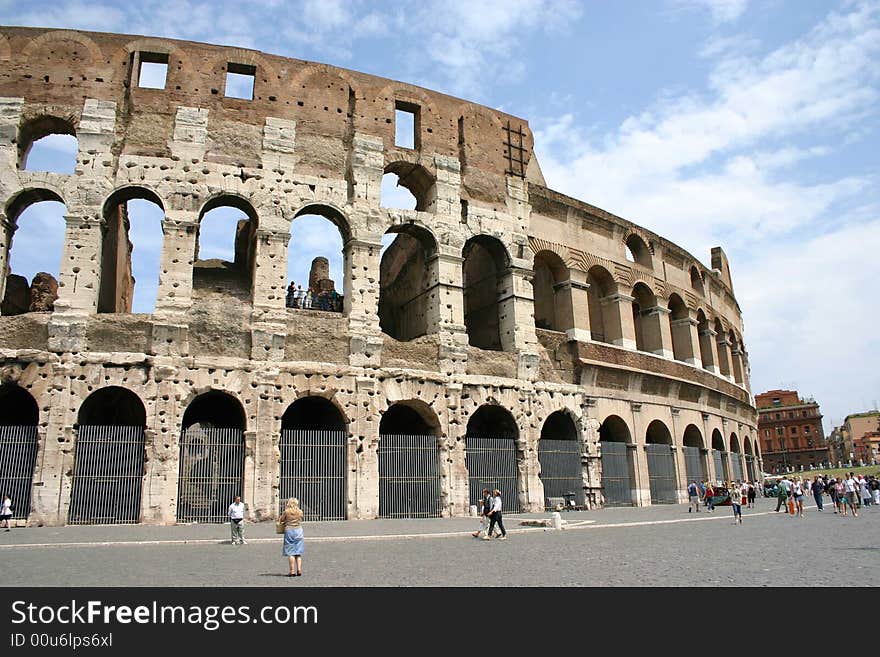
{"x":240,"y":80}
{"x":152,"y":70}
{"x":406,"y":125}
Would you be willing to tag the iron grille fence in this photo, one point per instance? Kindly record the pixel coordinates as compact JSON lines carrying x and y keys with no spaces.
{"x":736,"y":466}
{"x":211,"y":468}
{"x":108,"y":475}
{"x":718,"y":460}
{"x":313,"y":465}
{"x":561,"y":470}
{"x":18,"y":455}
{"x":661,"y":474}
{"x":491,"y":463}
{"x":750,"y":468}
{"x":409,"y":476}
{"x":616,"y":477}
{"x":694,"y":467}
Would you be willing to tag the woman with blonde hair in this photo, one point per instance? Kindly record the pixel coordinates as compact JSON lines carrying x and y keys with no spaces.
{"x":293,"y":536}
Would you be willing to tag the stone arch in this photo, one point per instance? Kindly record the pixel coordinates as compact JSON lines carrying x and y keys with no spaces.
{"x":493,"y":455}
{"x":692,"y":436}
{"x":662,"y":476}
{"x":337,"y":92}
{"x":735,"y":357}
{"x":658,"y":433}
{"x":314,"y":413}
{"x":614,"y":429}
{"x":117,"y":284}
{"x":707,"y":354}
{"x":618,"y":462}
{"x":697,"y":281}
{"x":646,"y":319}
{"x":485,"y":266}
{"x":176,"y":71}
{"x":723,"y":348}
{"x":604,"y":317}
{"x":112,"y":405}
{"x":680,"y":328}
{"x":410,"y":416}
{"x":19,"y":444}
{"x":237,"y":274}
{"x":694,"y":454}
{"x":559,"y":455}
{"x":552,"y":299}
{"x":420,"y":182}
{"x":408,"y":275}
{"x":215,"y":409}
{"x":266,"y":77}
{"x":95,"y":54}
{"x":638,"y":249}
{"x":33,"y":129}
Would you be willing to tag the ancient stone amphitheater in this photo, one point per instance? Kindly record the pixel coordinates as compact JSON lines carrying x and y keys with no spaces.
{"x":509,"y":337}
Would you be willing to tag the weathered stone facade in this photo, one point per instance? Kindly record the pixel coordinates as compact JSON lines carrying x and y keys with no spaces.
{"x":444,"y":325}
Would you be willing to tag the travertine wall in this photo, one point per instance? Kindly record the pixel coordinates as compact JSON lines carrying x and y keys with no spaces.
{"x":317,"y":139}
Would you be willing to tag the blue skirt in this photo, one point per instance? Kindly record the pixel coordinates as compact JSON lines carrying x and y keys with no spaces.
{"x":293,"y":542}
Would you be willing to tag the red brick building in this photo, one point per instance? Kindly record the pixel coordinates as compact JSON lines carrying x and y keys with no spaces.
{"x":790,"y":431}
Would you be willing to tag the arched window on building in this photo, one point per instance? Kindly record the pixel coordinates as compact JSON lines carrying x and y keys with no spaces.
{"x":552,"y":297}
{"x":492,"y":455}
{"x":618,"y":462}
{"x":48,"y":143}
{"x":604,"y":315}
{"x":225,"y":251}
{"x":638,"y":252}
{"x":19,"y":443}
{"x":408,"y":292}
{"x":485,"y":269}
{"x":646,"y":320}
{"x":413,"y":178}
{"x":680,"y":329}
{"x":559,"y":453}
{"x":661,"y":464}
{"x":317,"y":264}
{"x":694,"y":461}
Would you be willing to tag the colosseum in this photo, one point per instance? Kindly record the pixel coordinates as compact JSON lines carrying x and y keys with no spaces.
{"x":509,"y":336}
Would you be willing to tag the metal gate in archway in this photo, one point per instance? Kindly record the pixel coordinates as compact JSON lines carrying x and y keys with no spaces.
{"x":211,"y":468}
{"x":661,"y":474}
{"x":18,"y":455}
{"x":561,"y":470}
{"x":718,"y":460}
{"x":313,"y":467}
{"x":736,"y":466}
{"x":694,"y":467}
{"x":616,"y":477}
{"x":491,"y":463}
{"x":750,"y":467}
{"x":108,"y":475}
{"x":409,"y":476}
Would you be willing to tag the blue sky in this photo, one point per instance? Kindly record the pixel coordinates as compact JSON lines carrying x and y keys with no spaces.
{"x":741,"y":123}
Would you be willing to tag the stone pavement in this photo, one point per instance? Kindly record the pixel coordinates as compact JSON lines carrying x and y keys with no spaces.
{"x":661,"y":545}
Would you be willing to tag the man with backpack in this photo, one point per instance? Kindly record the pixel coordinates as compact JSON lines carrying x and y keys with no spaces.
{"x":781,"y":495}
{"x":693,"y":497}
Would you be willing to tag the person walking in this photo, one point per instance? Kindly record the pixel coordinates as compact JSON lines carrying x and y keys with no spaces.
{"x":874,"y":485}
{"x":6,"y":512}
{"x":710,"y":493}
{"x":236,"y":518}
{"x":736,"y":501}
{"x":752,"y":494}
{"x":495,"y":517}
{"x":693,"y":497}
{"x":293,"y":546}
{"x":485,"y":510}
{"x":797,"y":489}
{"x":851,"y":488}
{"x":781,"y":496}
{"x":840,"y":491}
{"x":863,"y":488}
{"x":818,"y":489}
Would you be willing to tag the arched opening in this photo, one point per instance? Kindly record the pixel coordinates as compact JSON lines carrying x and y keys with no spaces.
{"x":719,"y":457}
{"x":416,"y":180}
{"x":604,"y":318}
{"x":680,"y":329}
{"x":484,"y":270}
{"x":47,"y":143}
{"x":707,"y":356}
{"x":408,"y":278}
{"x":723,"y":349}
{"x":313,"y":458}
{"x":661,"y":464}
{"x":618,"y":464}
{"x":108,"y":459}
{"x":694,"y":461}
{"x":646,"y":320}
{"x":750,"y":459}
{"x":317,"y":266}
{"x":638,"y":252}
{"x":559,"y":453}
{"x":552,"y":297}
{"x":492,"y":456}
{"x":19,"y":441}
{"x":32,"y":246}
{"x":211,"y":457}
{"x":735,"y":357}
{"x":226,"y":244}
{"x":735,"y":458}
{"x":697,"y":281}
{"x":409,"y":462}
{"x":131,"y":251}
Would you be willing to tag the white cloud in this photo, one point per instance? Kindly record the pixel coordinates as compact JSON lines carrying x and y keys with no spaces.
{"x":721,"y":11}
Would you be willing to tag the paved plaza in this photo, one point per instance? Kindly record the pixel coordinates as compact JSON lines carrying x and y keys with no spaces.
{"x":662,"y":545}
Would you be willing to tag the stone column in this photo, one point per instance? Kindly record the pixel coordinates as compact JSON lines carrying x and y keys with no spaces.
{"x":174,"y":296}
{"x":678,"y":456}
{"x":516,"y":309}
{"x":446,"y":311}
{"x":530,"y":487}
{"x":269,"y":317}
{"x":261,"y":487}
{"x":709,"y":350}
{"x":6,"y":232}
{"x":362,"y":301}
{"x":642,"y":493}
{"x":724,"y":357}
{"x":363,"y":455}
{"x":686,"y":338}
{"x":162,"y":467}
{"x":457,"y":481}
{"x":656,"y":331}
{"x":591,"y":463}
{"x":576,"y":313}
{"x":620,"y":330}
{"x":736,"y":361}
